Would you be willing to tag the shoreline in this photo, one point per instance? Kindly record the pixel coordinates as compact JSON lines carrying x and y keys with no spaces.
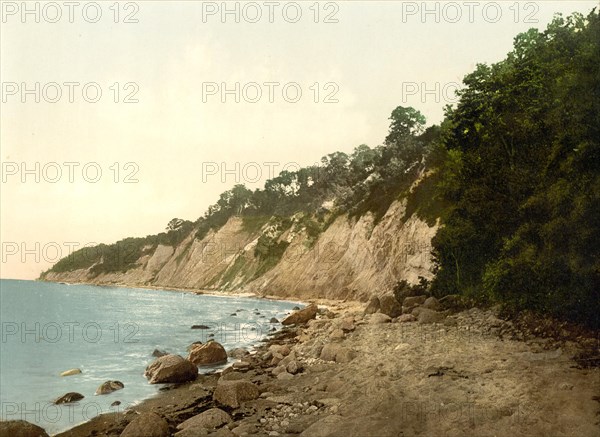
{"x":195,"y":291}
{"x":347,"y":374}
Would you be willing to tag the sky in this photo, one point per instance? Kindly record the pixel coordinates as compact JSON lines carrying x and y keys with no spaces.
{"x":117,"y":117}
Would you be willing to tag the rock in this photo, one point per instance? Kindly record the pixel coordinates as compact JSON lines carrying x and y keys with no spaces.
{"x":158,"y":353}
{"x":405,"y":318}
{"x":429,"y":316}
{"x":208,"y":354}
{"x":345,"y":355}
{"x":241,"y":365}
{"x":21,"y":428}
{"x":209,"y":419}
{"x":277,"y":370}
{"x":379,"y":318}
{"x":191,"y":346}
{"x":373,"y":305}
{"x":285,"y":376}
{"x":109,"y":386}
{"x":347,"y":324}
{"x":412,"y":301}
{"x":222,"y":432}
{"x":293,"y":367}
{"x":336,"y":352}
{"x":431,"y":303}
{"x":566,"y":386}
{"x":296,"y":308}
{"x":71,"y":372}
{"x":302,"y":316}
{"x":273,"y":320}
{"x":115,"y":403}
{"x":238,"y":353}
{"x":389,"y":306}
{"x":282,"y":349}
{"x":68,"y":398}
{"x":171,"y":368}
{"x":233,"y":393}
{"x":147,"y":425}
{"x":336,"y":334}
{"x":200,"y":327}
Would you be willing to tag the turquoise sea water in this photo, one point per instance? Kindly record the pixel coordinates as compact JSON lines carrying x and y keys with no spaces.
{"x":109,"y":333}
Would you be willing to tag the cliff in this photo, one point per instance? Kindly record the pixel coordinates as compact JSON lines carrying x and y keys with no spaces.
{"x":350,"y":259}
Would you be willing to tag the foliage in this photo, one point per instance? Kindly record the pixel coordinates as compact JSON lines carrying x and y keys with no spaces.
{"x":523,"y":178}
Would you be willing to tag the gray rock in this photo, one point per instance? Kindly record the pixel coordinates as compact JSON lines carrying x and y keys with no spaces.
{"x":158,"y":353}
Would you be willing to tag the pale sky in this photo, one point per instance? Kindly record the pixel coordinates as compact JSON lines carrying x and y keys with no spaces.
{"x":378,"y":55}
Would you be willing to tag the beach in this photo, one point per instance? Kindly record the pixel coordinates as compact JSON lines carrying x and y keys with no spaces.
{"x":347,"y":373}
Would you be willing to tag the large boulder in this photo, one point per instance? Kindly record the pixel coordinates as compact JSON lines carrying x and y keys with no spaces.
{"x":109,"y":386}
{"x":389,"y":306}
{"x":233,"y":393}
{"x":373,"y":305}
{"x":68,"y":398}
{"x":147,"y":425}
{"x":209,"y":420}
{"x":171,"y":368}
{"x":21,"y":428}
{"x":302,"y":316}
{"x":208,"y":354}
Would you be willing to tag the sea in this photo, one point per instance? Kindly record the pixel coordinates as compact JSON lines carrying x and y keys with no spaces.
{"x":109,"y":333}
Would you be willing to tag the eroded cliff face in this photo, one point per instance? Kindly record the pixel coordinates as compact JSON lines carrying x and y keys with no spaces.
{"x":349,"y":260}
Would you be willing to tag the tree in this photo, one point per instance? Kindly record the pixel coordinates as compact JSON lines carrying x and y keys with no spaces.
{"x":406,"y":122}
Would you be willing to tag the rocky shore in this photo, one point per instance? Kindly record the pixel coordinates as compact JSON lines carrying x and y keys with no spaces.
{"x":420,"y":368}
